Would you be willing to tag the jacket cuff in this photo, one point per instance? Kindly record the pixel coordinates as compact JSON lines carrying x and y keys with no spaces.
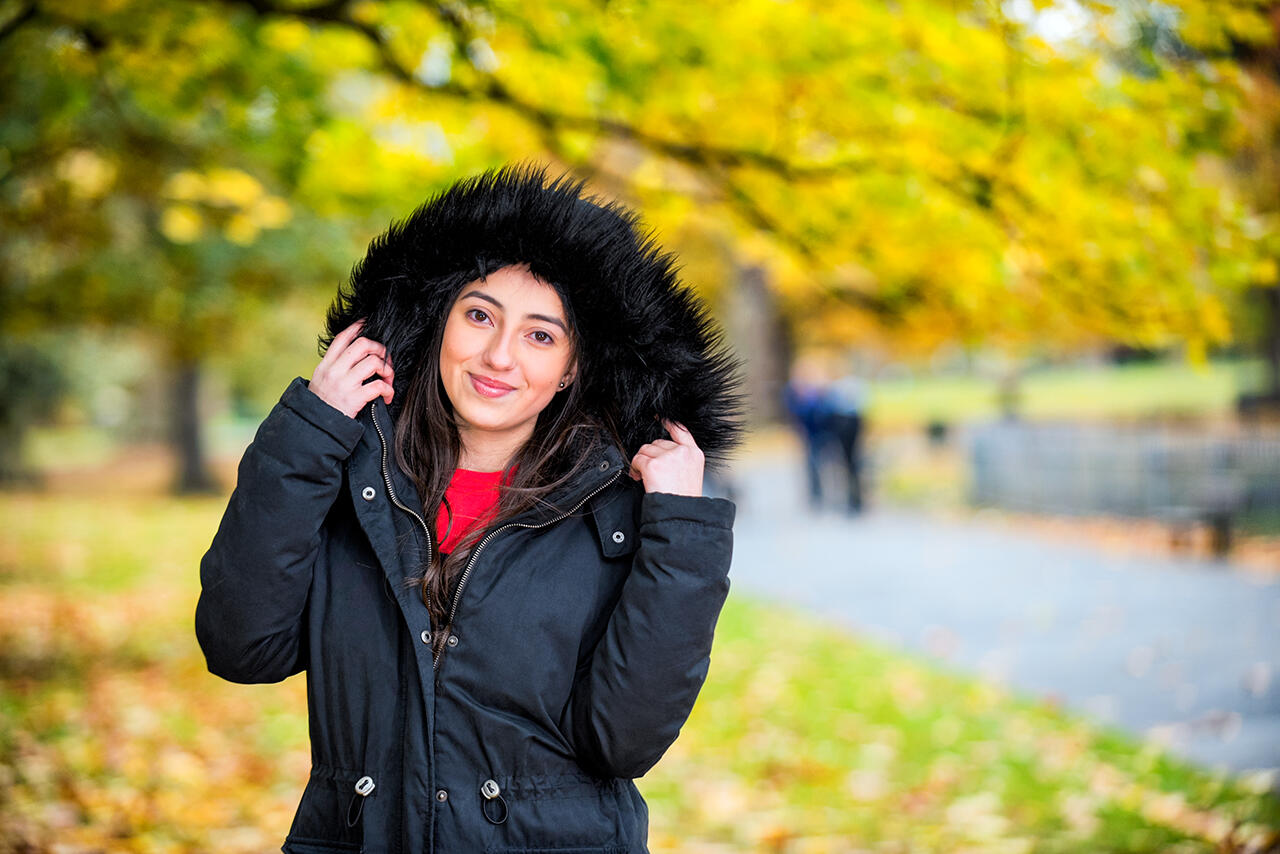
{"x":657,"y":507}
{"x":301,"y":399}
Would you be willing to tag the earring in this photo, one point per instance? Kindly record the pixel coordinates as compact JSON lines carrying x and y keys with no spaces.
{"x":561,"y":383}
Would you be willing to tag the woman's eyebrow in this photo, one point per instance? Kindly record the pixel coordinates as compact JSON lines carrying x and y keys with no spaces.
{"x":545,"y":318}
{"x":482,"y":296}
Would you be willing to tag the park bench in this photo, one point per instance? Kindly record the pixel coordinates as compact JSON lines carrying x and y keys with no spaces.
{"x":1188,"y":481}
{"x":1216,"y":505}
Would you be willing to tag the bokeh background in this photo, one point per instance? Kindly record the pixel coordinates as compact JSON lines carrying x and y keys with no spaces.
{"x":1033,"y":244}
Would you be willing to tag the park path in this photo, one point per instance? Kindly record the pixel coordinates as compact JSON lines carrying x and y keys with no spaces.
{"x":1183,"y":650}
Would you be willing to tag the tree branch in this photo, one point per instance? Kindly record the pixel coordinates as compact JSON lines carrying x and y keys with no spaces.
{"x":12,"y":25}
{"x":713,"y":162}
{"x":495,"y":92}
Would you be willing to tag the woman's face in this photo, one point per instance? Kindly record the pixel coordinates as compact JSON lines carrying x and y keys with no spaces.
{"x":505,"y":351}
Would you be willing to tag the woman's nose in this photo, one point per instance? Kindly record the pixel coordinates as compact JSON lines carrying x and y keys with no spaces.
{"x":500,"y":352}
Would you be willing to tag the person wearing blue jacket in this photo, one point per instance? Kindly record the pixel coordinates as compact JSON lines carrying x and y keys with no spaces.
{"x":479,"y":529}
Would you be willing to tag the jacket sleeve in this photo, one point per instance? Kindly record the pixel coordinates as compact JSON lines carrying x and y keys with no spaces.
{"x":648,"y":667}
{"x":256,"y":575}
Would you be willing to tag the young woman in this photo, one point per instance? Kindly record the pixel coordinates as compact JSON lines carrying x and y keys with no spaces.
{"x":480,"y":530}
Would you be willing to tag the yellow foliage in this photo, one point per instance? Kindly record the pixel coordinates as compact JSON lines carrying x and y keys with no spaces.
{"x":89,"y":174}
{"x":241,"y":229}
{"x":185,"y":186}
{"x":1266,"y":272}
{"x":270,"y":212}
{"x":285,"y":36}
{"x":181,"y":223}
{"x":232,"y":188}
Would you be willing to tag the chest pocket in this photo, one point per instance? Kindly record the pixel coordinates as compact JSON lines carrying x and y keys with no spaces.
{"x":616,"y":517}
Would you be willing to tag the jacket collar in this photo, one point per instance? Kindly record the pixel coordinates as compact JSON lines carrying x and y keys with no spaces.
{"x":606,"y":467}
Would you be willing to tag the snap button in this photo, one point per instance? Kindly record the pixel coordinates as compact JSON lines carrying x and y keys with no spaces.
{"x":426,"y":637}
{"x":618,"y":536}
{"x":604,"y":465}
{"x":452,"y":641}
{"x":368,"y":493}
{"x":442,"y":795}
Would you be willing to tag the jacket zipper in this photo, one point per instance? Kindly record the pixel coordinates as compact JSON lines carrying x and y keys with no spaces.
{"x":386,"y":476}
{"x":466,"y":572}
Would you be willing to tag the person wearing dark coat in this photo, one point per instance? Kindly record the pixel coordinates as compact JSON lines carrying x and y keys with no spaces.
{"x":479,"y":529}
{"x":807,"y":401}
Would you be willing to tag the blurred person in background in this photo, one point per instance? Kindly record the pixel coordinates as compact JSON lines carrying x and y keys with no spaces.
{"x":480,"y":530}
{"x":848,"y":397}
{"x":808,"y":402}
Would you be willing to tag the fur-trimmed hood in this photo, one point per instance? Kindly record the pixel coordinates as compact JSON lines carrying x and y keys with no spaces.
{"x":650,"y":345}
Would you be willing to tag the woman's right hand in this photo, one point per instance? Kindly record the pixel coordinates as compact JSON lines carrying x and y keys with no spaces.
{"x":339,"y":379}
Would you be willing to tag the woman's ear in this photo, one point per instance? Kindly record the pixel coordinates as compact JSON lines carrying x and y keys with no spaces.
{"x":568,"y":378}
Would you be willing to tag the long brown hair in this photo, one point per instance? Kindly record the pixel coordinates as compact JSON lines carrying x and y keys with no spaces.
{"x":427,"y":447}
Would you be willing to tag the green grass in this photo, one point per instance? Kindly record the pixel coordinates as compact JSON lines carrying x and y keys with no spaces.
{"x":1162,"y":389}
{"x":806,"y":738}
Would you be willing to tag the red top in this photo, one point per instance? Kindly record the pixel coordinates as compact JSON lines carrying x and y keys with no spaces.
{"x":473,"y":495}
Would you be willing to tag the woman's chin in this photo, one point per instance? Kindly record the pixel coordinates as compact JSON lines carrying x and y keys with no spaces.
{"x":488,"y":419}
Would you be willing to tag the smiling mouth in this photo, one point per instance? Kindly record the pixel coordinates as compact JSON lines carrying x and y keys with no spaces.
{"x":489,"y":387}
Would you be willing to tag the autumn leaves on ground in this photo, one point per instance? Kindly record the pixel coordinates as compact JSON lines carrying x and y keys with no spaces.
{"x":115,"y":738}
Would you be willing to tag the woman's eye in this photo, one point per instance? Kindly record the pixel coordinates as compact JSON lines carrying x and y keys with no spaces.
{"x":477,"y":314}
{"x":543,"y":337}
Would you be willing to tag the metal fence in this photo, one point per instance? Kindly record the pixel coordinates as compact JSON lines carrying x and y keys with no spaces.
{"x":1113,"y":470}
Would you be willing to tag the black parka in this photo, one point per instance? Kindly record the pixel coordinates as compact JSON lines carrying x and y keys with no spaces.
{"x":580,"y":635}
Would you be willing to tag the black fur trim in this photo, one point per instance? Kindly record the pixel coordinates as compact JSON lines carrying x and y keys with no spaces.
{"x":652,"y":346}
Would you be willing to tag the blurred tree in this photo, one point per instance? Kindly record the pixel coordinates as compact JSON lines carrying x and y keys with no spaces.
{"x":915,"y":173}
{"x":949,"y":172}
{"x":31,"y":384}
{"x":149,"y":156}
{"x":1256,"y":47}
{"x":1242,"y":39}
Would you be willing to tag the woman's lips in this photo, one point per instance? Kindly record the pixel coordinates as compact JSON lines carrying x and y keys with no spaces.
{"x":489,"y":387}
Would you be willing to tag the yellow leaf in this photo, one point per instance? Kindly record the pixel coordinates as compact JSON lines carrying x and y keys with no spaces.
{"x":89,"y":174}
{"x":270,"y":212}
{"x":1265,"y":272}
{"x":181,"y":223}
{"x":233,"y":188}
{"x":241,"y":229}
{"x":185,"y":186}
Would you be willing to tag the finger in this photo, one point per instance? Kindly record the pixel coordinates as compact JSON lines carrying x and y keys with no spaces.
{"x":377,"y":388}
{"x":641,"y":460}
{"x":370,"y":366}
{"x":343,"y":338}
{"x":678,"y":432}
{"x":339,"y":345}
{"x":360,"y":349}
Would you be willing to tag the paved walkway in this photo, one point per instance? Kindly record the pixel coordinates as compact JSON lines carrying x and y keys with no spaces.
{"x":1185,"y":650}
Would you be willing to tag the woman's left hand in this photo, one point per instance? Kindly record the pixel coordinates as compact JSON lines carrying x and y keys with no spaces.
{"x":670,"y":465}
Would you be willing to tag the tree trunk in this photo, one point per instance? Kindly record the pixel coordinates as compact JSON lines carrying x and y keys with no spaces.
{"x":186,"y":435}
{"x":757,"y":330}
